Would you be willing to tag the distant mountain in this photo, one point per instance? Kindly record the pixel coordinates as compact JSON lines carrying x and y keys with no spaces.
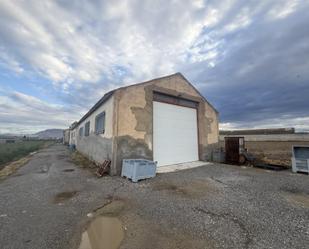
{"x":49,"y":133}
{"x":8,"y":135}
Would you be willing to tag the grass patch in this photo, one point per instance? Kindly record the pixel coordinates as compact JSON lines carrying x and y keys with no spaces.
{"x":12,"y":167}
{"x":82,"y":161}
{"x":15,"y":151}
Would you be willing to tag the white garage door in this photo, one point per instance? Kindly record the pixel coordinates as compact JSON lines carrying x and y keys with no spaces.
{"x":174,"y":134}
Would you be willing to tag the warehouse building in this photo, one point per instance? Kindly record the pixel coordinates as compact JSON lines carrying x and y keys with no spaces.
{"x":165,"y":120}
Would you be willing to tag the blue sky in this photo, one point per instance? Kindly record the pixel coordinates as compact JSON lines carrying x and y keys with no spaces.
{"x":250,"y":59}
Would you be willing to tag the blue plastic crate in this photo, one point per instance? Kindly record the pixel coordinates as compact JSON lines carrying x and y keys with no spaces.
{"x":138,"y":169}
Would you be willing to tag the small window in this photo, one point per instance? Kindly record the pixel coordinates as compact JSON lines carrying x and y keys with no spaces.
{"x":87,"y":128}
{"x":100,"y":123}
{"x":81,"y":131}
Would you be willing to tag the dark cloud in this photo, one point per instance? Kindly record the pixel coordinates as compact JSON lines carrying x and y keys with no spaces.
{"x":264,"y":73}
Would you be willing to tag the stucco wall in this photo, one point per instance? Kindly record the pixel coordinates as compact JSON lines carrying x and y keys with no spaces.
{"x":211,"y":122}
{"x":134,"y":107}
{"x":66,"y":136}
{"x":97,"y":147}
{"x":132,"y":140}
{"x":72,"y":139}
{"x":212,"y":118}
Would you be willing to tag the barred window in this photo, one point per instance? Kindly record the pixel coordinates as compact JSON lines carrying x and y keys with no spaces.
{"x":81,"y":131}
{"x":87,"y":129}
{"x":100,"y":123}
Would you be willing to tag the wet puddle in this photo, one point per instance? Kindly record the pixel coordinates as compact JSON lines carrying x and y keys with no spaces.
{"x":103,"y":233}
{"x":63,"y":196}
{"x":68,"y":170}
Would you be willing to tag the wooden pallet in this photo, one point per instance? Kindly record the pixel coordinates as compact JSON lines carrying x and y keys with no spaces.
{"x":103,"y":168}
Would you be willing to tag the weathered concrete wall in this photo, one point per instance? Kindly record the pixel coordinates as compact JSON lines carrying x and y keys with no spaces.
{"x":272,"y":148}
{"x":128,"y":147}
{"x":273,"y":131}
{"x":72,"y":139}
{"x":211,"y":132}
{"x":97,"y":147}
{"x":273,"y":152}
{"x":272,"y":137}
{"x":66,"y":136}
{"x":133,"y":126}
{"x":134,"y":118}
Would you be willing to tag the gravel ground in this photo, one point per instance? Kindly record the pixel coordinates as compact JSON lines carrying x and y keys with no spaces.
{"x":214,"y":206}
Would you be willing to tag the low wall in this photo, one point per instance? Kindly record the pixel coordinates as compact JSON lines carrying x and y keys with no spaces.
{"x":278,"y":151}
{"x":273,"y":137}
{"x":95,"y":147}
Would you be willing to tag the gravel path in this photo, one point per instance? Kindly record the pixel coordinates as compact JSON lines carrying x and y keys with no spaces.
{"x":45,"y":205}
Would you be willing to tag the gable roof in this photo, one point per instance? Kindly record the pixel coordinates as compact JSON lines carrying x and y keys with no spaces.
{"x":180,"y":74}
{"x":110,"y":93}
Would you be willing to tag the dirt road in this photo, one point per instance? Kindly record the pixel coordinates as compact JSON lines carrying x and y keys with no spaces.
{"x":46,"y":202}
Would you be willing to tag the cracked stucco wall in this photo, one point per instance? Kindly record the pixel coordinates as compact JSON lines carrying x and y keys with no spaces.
{"x":134,"y":114}
{"x":129,"y":120}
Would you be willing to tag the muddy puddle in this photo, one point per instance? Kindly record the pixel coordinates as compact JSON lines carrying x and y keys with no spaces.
{"x":68,"y":170}
{"x":298,"y":199}
{"x":104,"y":232}
{"x":195,"y":189}
{"x":63,"y":196}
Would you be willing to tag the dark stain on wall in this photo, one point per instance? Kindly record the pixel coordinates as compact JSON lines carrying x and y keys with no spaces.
{"x":130,"y":148}
{"x":208,"y":151}
{"x":144,"y":116}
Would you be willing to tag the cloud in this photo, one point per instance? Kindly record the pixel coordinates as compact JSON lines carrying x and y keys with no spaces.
{"x":283,"y":10}
{"x":23,"y":113}
{"x":146,"y":38}
{"x":249,"y":58}
{"x":299,"y":123}
{"x":261,"y":77}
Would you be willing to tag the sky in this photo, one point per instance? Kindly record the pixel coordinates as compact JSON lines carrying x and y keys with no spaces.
{"x":250,"y":59}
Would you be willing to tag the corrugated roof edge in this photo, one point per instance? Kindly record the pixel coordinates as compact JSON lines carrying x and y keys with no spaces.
{"x":110,"y":93}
